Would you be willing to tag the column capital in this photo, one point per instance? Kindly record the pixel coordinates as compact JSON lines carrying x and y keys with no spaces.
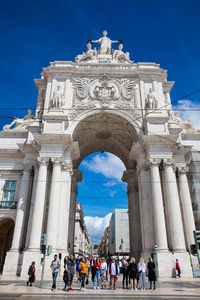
{"x":168,"y":162}
{"x":56,"y":160}
{"x":67,"y":166}
{"x":153,"y":162}
{"x":43,"y":161}
{"x":182,"y":169}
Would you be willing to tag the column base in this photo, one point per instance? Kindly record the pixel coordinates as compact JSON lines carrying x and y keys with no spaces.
{"x":35,"y":255}
{"x":167,"y":262}
{"x":12,"y":265}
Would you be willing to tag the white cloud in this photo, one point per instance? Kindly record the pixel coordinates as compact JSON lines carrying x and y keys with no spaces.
{"x":188,"y":114}
{"x":108,"y":165}
{"x":96,"y":227}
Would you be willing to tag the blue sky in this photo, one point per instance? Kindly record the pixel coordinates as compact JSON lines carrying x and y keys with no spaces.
{"x":35,"y":32}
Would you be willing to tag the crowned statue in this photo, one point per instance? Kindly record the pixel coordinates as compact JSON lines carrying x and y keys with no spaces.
{"x":105,"y":49}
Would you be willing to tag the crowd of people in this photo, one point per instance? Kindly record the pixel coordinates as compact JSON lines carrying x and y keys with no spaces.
{"x":103,"y":272}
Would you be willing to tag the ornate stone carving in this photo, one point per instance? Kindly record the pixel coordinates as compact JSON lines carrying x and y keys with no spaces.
{"x":56,"y":160}
{"x":127,"y":88}
{"x":43,"y":160}
{"x":105,"y":53}
{"x":120,"y":56}
{"x":20,"y":124}
{"x":153,"y":161}
{"x":151,"y":103}
{"x":89,"y":55}
{"x":104,"y":92}
{"x":168,"y":162}
{"x":81,"y":86}
{"x":57,"y":99}
{"x":68,"y":166}
{"x":183,"y":169}
{"x":27,"y":167}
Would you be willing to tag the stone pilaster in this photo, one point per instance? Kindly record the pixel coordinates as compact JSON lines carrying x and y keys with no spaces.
{"x":175,"y":219}
{"x":186,"y":206}
{"x":21,"y":207}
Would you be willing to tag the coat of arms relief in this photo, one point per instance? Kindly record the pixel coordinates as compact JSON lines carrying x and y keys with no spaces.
{"x":104,"y":92}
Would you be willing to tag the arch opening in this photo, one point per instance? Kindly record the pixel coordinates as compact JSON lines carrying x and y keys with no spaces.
{"x":6,"y":235}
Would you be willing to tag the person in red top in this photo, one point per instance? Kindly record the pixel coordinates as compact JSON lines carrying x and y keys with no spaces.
{"x":97,"y":266}
{"x":178,"y":269}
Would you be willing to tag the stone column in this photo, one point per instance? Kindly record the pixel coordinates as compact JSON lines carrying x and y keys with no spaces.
{"x":38,"y":210}
{"x":65,"y":205}
{"x":175,"y":220}
{"x":186,"y":205}
{"x":77,"y":176}
{"x":130,"y":176}
{"x":52,"y":222}
{"x":21,"y":207}
{"x":157,"y":203}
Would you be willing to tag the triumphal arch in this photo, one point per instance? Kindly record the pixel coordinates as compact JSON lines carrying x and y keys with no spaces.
{"x":101,"y":102}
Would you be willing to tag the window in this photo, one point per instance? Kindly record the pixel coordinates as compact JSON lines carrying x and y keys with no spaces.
{"x":8,"y":193}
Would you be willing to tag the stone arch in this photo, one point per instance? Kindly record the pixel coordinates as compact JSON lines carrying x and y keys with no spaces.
{"x":105,"y":131}
{"x":113,"y":133}
{"x":6,"y":235}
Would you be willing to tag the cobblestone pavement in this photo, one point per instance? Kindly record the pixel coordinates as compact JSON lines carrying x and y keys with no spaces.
{"x":166,"y":289}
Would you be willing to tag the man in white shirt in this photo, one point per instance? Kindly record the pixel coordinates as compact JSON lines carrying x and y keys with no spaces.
{"x":113,"y":270}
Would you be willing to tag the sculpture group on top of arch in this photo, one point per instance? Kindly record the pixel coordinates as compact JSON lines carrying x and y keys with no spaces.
{"x":105,"y":51}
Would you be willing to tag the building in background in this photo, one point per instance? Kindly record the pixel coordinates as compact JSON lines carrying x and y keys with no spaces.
{"x":118,"y":233}
{"x":82,"y":244}
{"x":103,"y":246}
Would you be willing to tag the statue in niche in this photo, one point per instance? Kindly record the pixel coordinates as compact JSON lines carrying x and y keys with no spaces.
{"x":105,"y":43}
{"x":120,"y":56}
{"x":151,"y":102}
{"x":57,"y":100}
{"x":20,"y":124}
{"x":89,"y":55}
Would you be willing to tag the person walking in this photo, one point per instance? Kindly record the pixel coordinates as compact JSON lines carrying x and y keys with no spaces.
{"x":113,"y":270}
{"x":125,"y":271}
{"x":55,"y":265}
{"x":151,"y":267}
{"x":133,"y":272}
{"x":83,"y":272}
{"x":97,"y":266}
{"x":178,"y":269}
{"x":103,"y":272}
{"x":31,"y":274}
{"x":70,"y":267}
{"x":65,"y":277}
{"x":142,"y":271}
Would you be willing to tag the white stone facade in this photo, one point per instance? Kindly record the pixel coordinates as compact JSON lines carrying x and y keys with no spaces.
{"x":102,"y":102}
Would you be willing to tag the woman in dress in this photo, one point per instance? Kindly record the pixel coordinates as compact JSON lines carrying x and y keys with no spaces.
{"x":151,"y":273}
{"x":133,"y":270}
{"x":31,"y":274}
{"x":142,"y":271}
{"x":103,"y":272}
